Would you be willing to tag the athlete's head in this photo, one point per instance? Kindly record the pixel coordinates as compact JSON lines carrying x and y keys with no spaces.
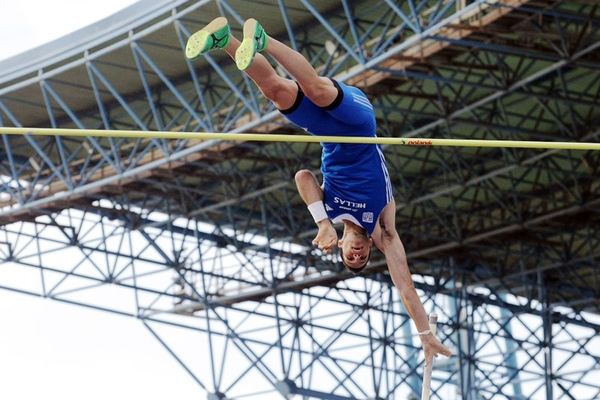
{"x":355,"y":247}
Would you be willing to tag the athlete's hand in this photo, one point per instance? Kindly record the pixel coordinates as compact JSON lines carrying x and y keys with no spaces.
{"x":326,"y":237}
{"x":432,"y":347}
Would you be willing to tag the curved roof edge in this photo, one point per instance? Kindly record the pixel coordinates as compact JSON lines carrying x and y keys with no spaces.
{"x":78,"y":41}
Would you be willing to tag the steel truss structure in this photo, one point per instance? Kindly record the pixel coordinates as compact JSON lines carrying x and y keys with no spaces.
{"x":210,"y":238}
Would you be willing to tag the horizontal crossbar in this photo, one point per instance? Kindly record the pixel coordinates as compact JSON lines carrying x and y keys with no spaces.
{"x":262,"y":137}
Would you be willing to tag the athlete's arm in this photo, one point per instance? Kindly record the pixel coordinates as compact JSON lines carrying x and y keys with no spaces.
{"x":386,"y":238}
{"x":312,"y":194}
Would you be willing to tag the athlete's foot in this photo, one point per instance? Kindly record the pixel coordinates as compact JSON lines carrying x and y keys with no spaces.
{"x":215,"y":35}
{"x":255,"y":40}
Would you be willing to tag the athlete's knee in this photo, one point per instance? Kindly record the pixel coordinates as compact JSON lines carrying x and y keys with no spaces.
{"x":279,"y":90}
{"x":321,"y":91}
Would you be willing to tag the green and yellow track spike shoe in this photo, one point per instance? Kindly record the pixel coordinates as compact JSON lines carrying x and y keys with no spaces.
{"x":215,"y":35}
{"x":255,"y":40}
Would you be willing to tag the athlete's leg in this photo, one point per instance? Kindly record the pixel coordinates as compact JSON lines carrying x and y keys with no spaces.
{"x":217,"y":35}
{"x":284,"y":93}
{"x":281,"y":91}
{"x":319,"y":90}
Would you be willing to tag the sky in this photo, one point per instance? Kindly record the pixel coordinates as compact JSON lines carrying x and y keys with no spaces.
{"x":35,"y":22}
{"x":58,"y":351}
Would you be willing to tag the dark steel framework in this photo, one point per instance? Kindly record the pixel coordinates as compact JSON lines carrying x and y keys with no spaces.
{"x":210,"y":238}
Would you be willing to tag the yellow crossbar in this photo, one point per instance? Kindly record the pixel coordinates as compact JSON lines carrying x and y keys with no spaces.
{"x":268,"y":137}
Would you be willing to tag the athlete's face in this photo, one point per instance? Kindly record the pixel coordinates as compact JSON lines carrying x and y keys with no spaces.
{"x":355,"y":249}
